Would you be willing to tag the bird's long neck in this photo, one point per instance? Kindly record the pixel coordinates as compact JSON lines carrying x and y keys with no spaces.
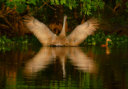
{"x":63,"y":33}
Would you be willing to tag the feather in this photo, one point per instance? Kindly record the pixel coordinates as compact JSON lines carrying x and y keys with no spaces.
{"x":47,"y":37}
{"x":81,"y":32}
{"x":40,"y":30}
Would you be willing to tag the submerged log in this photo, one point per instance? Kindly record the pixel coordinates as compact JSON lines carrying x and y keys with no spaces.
{"x":47,"y":37}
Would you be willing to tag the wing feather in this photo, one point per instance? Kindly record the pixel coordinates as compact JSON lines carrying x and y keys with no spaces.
{"x":40,"y":30}
{"x":80,"y":60}
{"x":80,"y":33}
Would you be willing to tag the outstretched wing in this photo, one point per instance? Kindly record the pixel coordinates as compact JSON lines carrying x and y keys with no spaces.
{"x":82,"y":31}
{"x":81,"y":61}
{"x":40,"y":30}
{"x":39,"y":61}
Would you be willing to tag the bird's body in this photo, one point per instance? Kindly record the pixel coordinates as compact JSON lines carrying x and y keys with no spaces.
{"x":108,"y":40}
{"x":48,"y":38}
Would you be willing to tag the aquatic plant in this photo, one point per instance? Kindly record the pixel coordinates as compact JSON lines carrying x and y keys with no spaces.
{"x":100,"y":38}
{"x":6,"y":43}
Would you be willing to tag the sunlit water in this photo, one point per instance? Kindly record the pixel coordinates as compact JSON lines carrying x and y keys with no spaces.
{"x":65,"y":68}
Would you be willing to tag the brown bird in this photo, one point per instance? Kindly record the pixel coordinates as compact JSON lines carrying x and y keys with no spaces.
{"x":47,"y":37}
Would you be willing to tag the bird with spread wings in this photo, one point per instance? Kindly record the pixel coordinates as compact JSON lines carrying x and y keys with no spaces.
{"x":48,"y":38}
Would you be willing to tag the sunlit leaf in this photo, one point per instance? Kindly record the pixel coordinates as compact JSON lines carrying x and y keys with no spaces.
{"x":57,"y":2}
{"x":52,"y":2}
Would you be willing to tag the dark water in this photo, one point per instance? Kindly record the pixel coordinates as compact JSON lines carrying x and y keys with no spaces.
{"x":64,"y":68}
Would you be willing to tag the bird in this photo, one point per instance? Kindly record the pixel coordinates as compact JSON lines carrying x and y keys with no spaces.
{"x":48,"y":38}
{"x":108,"y":42}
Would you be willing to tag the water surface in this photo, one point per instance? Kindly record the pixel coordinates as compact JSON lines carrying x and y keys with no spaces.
{"x":64,"y":68}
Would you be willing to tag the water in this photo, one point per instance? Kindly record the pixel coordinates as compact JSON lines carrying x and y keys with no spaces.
{"x":64,"y":68}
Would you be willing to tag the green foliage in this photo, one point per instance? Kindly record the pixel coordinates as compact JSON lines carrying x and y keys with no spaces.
{"x":4,"y":40}
{"x":118,"y":1}
{"x":20,"y":5}
{"x":89,"y":6}
{"x":86,"y":6}
{"x":100,"y":38}
{"x":6,"y":44}
{"x":126,"y":6}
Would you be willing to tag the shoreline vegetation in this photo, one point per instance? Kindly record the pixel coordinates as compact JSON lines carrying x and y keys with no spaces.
{"x":112,"y":15}
{"x":97,"y":39}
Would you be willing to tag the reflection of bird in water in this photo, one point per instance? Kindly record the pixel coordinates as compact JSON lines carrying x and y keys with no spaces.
{"x":82,"y":61}
{"x":47,"y":37}
{"x":47,"y":55}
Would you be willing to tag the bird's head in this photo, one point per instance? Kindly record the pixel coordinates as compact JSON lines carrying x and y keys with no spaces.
{"x":108,"y":41}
